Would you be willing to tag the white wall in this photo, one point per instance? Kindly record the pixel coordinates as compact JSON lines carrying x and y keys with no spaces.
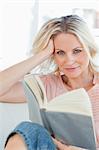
{"x":10,"y":116}
{"x":16,"y":30}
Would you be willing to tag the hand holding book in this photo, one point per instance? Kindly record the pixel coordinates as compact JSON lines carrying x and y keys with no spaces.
{"x":61,"y":146}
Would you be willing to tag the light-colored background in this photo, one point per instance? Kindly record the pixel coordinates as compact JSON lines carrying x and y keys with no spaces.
{"x":19,"y":22}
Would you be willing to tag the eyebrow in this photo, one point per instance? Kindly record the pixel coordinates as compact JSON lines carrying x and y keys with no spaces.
{"x":77,"y":48}
{"x":57,"y":49}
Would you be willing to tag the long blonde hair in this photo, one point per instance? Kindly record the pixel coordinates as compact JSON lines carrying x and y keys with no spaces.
{"x":68,"y":24}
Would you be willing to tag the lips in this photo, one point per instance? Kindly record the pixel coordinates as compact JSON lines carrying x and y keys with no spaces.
{"x":71,"y":68}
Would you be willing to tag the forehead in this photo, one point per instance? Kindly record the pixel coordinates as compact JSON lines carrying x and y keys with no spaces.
{"x":66,"y":40}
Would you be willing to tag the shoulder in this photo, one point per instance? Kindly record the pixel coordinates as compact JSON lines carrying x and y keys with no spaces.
{"x":50,"y":78}
{"x":51,"y":84}
{"x":94,"y":92}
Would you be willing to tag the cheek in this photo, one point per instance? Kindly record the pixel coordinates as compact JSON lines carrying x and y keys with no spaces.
{"x":84,"y":59}
{"x":59,"y":61}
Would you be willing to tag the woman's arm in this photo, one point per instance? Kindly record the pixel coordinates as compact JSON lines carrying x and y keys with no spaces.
{"x":9,"y":77}
{"x":15,"y":94}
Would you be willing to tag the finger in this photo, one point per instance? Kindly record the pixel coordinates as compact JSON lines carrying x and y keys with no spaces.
{"x":60,"y":146}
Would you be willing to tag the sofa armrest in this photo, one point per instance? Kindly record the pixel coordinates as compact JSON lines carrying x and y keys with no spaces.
{"x":10,"y":116}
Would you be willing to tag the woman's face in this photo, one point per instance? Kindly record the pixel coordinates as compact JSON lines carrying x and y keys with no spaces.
{"x":70,"y":55}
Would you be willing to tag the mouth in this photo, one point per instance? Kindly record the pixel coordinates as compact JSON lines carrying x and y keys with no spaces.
{"x":70,"y":69}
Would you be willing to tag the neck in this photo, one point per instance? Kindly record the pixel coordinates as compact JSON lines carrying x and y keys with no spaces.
{"x":79,"y":82}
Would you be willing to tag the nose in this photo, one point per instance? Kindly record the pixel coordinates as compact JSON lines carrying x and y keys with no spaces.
{"x":69,"y":59}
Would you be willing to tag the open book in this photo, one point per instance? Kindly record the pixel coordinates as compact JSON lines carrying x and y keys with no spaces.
{"x":68,"y":117}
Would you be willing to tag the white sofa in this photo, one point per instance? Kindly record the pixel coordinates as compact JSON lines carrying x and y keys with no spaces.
{"x":10,"y":116}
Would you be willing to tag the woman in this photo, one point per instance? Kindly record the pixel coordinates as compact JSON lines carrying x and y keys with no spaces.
{"x":68,"y":43}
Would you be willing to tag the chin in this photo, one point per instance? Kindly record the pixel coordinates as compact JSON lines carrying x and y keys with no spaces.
{"x":72,"y":75}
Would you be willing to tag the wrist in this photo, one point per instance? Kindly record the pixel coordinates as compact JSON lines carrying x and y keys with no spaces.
{"x":45,"y":54}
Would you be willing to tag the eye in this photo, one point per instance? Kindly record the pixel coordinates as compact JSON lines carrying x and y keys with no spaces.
{"x":76,"y":51}
{"x":60,"y":52}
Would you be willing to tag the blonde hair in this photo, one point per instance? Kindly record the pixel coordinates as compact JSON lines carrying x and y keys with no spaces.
{"x":68,"y":24}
